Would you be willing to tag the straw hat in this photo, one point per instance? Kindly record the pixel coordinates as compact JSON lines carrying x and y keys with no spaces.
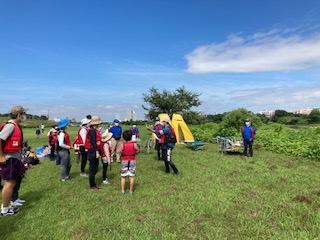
{"x":106,"y":136}
{"x":95,"y":120}
{"x":165,"y":119}
{"x":18,"y":110}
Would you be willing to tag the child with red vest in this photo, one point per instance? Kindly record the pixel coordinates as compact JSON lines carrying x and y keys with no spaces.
{"x":52,"y":141}
{"x":93,"y":146}
{"x":64,"y":145}
{"x":128,"y":150}
{"x":106,"y":155}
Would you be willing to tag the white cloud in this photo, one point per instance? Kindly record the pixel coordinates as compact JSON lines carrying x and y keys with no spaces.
{"x":273,"y":50}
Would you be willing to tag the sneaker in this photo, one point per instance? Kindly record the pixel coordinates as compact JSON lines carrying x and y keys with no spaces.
{"x":106,"y":181}
{"x":20,"y":200}
{"x":9,"y":212}
{"x":15,"y":204}
{"x":122,"y":193}
{"x":95,"y":188}
{"x":63,"y":179}
{"x":83,"y":175}
{"x":130,"y":193}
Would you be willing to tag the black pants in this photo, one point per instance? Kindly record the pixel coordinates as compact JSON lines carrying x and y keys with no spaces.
{"x":15,"y":193}
{"x":93,"y":168}
{"x":52,"y":149}
{"x":158,"y":147}
{"x":166,"y":156}
{"x":248,"y":145}
{"x":104,"y":170}
{"x":84,"y":159}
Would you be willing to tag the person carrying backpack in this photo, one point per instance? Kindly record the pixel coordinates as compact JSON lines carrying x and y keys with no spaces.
{"x":168,"y":145}
{"x":11,"y":139}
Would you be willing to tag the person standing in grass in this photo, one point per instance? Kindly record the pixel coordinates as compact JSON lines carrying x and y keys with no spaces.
{"x":159,"y":139}
{"x":64,"y":146}
{"x":11,"y":139}
{"x":52,"y":140}
{"x":116,"y":131}
{"x":106,"y":155}
{"x":82,"y":136}
{"x":168,"y":145}
{"x":128,"y":151}
{"x":248,"y":132}
{"x":93,"y":146}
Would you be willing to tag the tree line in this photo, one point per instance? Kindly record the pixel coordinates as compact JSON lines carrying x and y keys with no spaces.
{"x":182,"y":101}
{"x":29,"y":116}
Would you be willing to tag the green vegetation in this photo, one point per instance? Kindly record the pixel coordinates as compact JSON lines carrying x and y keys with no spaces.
{"x":215,"y":197}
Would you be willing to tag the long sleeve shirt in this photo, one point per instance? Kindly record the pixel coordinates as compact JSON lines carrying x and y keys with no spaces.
{"x":61,"y":141}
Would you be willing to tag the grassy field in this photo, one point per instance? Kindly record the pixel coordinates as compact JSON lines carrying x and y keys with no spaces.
{"x":215,"y":197}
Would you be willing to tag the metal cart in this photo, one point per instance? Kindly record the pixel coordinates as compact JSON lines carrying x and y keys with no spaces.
{"x":229,"y":144}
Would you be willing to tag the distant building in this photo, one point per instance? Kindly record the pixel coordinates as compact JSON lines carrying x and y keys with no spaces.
{"x":268,"y":113}
{"x":305,"y":111}
{"x":131,"y":115}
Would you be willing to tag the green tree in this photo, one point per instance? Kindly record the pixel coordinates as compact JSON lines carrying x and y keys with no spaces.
{"x":234,"y":120}
{"x":314,"y":116}
{"x":180,"y":101}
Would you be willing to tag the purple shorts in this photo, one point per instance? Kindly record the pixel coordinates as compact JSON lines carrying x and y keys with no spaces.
{"x":12,"y":170}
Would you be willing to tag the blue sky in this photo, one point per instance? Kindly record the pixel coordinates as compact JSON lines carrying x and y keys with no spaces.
{"x":76,"y":57}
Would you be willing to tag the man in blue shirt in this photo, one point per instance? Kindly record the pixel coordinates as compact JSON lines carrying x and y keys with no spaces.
{"x":248,"y":131}
{"x":116,"y":131}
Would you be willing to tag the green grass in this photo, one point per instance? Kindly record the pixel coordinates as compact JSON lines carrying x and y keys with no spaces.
{"x":215,"y":197}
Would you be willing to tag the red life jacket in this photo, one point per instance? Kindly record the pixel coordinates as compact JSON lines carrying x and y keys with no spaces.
{"x":88,"y":144}
{"x":52,"y":137}
{"x":66,"y":140}
{"x":171,"y":137}
{"x":14,"y":141}
{"x":103,"y":154}
{"x":158,"y":128}
{"x":128,"y":152}
{"x":80,"y":141}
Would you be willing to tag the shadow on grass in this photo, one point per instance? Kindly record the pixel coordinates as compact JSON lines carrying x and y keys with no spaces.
{"x":10,"y":224}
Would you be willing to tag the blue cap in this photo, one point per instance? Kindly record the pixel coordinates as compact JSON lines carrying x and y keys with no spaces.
{"x":116,"y":120}
{"x":63,"y":123}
